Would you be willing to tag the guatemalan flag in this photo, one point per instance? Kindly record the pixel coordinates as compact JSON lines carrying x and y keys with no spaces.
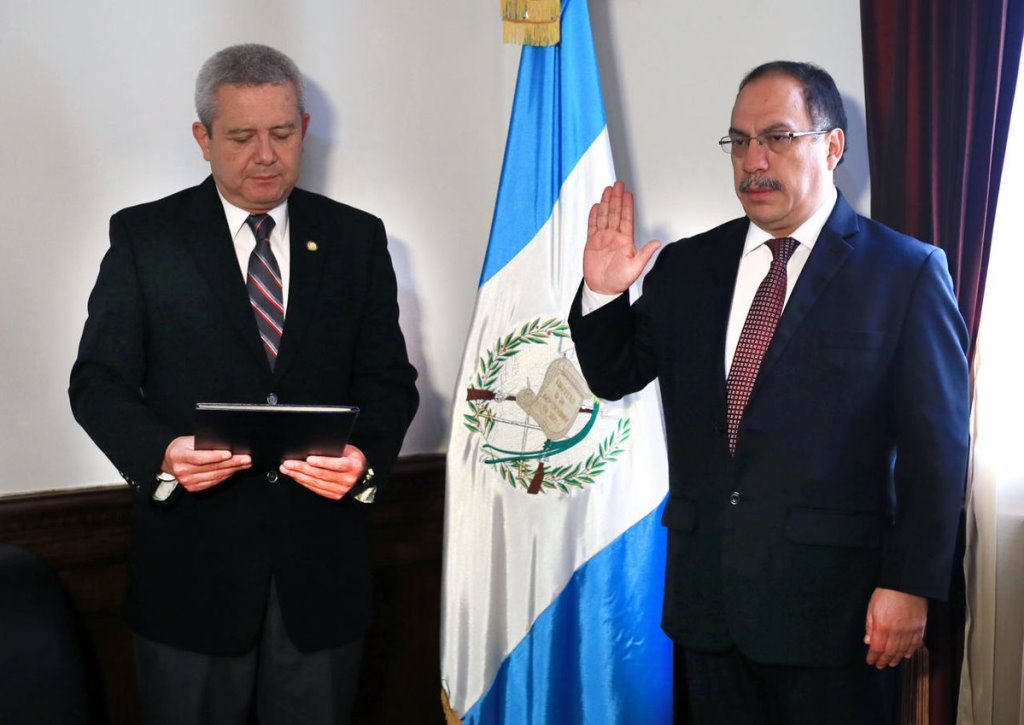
{"x":554,"y":554}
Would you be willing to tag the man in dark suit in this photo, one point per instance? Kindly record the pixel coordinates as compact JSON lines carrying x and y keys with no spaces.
{"x":816,"y":410}
{"x":249,"y":581}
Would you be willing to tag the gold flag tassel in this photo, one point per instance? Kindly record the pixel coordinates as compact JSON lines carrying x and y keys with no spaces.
{"x":915,"y":696}
{"x":531,"y":22}
{"x":450,"y":716}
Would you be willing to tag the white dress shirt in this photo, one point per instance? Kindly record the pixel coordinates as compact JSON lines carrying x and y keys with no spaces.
{"x":754,"y":264}
{"x":245,"y":241}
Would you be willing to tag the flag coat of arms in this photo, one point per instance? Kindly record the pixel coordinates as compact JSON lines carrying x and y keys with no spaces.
{"x":554,"y":554}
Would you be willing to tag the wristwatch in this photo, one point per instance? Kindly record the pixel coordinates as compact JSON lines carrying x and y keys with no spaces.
{"x":365,"y":490}
{"x":165,"y":485}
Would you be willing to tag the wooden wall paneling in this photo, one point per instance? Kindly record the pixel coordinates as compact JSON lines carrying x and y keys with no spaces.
{"x":83,"y":535}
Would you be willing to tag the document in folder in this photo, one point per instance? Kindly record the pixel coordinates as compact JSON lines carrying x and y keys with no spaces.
{"x":273,"y":433}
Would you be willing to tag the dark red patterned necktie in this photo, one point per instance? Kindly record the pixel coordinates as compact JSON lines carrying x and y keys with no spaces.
{"x":756,"y":335}
{"x":264,"y":284}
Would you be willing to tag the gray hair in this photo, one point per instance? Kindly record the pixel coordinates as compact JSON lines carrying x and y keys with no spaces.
{"x":249,"y":64}
{"x":821,"y":96}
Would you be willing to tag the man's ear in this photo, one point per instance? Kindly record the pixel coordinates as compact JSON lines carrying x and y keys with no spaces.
{"x":202,"y":137}
{"x":836,"y":147}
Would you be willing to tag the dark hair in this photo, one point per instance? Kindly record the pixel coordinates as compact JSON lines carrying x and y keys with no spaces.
{"x":824,"y":104}
{"x":249,"y":64}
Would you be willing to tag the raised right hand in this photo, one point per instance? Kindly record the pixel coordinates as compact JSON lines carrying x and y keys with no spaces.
{"x":196,"y":470}
{"x":611,"y":261}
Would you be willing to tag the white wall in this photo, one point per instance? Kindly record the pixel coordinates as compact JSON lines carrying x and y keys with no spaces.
{"x":670,"y":71}
{"x":410,"y":104}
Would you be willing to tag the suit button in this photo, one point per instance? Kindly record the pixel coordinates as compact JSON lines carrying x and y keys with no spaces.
{"x":734,"y":497}
{"x":272,"y":399}
{"x":720,"y":429}
{"x":272,"y":476}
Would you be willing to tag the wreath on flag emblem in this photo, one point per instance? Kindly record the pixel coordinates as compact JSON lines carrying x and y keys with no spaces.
{"x":552,"y":434}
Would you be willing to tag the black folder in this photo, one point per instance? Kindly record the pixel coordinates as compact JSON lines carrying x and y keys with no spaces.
{"x":273,"y":433}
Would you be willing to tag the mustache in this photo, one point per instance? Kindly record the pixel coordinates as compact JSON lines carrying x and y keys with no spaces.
{"x":760,"y":182}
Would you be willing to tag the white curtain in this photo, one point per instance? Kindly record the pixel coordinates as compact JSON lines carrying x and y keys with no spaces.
{"x":992,"y":682}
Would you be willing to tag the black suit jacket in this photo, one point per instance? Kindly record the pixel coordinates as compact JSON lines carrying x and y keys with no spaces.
{"x":169,"y":325}
{"x":852,"y":453}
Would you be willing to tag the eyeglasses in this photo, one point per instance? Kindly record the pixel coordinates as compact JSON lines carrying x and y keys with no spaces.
{"x":775,"y":141}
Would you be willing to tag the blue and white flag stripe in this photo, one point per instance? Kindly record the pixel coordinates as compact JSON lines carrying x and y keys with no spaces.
{"x":541,"y":152}
{"x":552,"y":601}
{"x":579,"y":664}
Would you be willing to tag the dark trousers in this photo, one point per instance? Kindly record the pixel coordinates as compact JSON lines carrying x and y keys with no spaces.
{"x":275,"y":681}
{"x":728,"y":688}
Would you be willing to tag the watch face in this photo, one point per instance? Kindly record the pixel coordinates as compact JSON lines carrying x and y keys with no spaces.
{"x":165,"y":489}
{"x":366,"y":495}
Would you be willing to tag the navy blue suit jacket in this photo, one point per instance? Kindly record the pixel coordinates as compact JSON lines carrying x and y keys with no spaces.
{"x":852,"y":453}
{"x":170,"y":325}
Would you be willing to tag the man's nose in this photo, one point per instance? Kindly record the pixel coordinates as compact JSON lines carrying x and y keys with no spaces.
{"x":265,"y":150}
{"x":757,"y":156}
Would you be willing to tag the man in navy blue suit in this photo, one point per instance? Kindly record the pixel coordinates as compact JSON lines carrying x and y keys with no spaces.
{"x":812,"y":515}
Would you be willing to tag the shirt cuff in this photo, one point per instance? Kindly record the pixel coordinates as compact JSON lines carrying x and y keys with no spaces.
{"x":591,"y":301}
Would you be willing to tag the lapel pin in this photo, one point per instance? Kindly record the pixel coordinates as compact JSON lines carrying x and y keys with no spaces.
{"x":311,"y":246}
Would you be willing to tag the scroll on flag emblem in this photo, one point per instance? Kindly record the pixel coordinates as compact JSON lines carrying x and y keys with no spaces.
{"x":554,"y":557}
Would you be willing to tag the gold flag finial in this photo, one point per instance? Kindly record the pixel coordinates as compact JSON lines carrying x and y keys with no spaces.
{"x":531,"y":22}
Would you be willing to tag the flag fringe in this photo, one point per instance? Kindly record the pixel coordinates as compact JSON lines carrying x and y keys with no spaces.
{"x":450,"y":716}
{"x":531,"y":22}
{"x":914,"y":686}
{"x":541,"y":34}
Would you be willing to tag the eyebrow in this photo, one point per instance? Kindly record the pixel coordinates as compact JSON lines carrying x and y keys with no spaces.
{"x":278,"y":127}
{"x":778,"y":126}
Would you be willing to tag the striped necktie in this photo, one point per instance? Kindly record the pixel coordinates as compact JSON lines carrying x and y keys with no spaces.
{"x":264,"y":284}
{"x":756,"y":335}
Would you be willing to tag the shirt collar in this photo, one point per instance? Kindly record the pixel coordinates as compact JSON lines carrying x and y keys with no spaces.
{"x":236,"y":216}
{"x":806,"y":234}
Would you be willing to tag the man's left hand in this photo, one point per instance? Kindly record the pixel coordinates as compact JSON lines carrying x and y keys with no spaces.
{"x":325,"y":476}
{"x":894,"y":629}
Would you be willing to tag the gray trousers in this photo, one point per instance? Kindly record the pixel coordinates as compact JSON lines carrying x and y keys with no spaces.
{"x":276,"y":682}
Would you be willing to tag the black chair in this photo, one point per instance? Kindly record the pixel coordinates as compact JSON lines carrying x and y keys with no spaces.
{"x":41,"y":673}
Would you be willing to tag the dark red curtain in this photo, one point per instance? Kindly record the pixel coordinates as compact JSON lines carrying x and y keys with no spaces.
{"x":939,"y":78}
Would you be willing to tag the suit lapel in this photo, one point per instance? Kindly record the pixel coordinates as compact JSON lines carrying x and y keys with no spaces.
{"x":308,"y":255}
{"x":830,"y":252}
{"x":209,"y":241}
{"x":724,"y":270}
